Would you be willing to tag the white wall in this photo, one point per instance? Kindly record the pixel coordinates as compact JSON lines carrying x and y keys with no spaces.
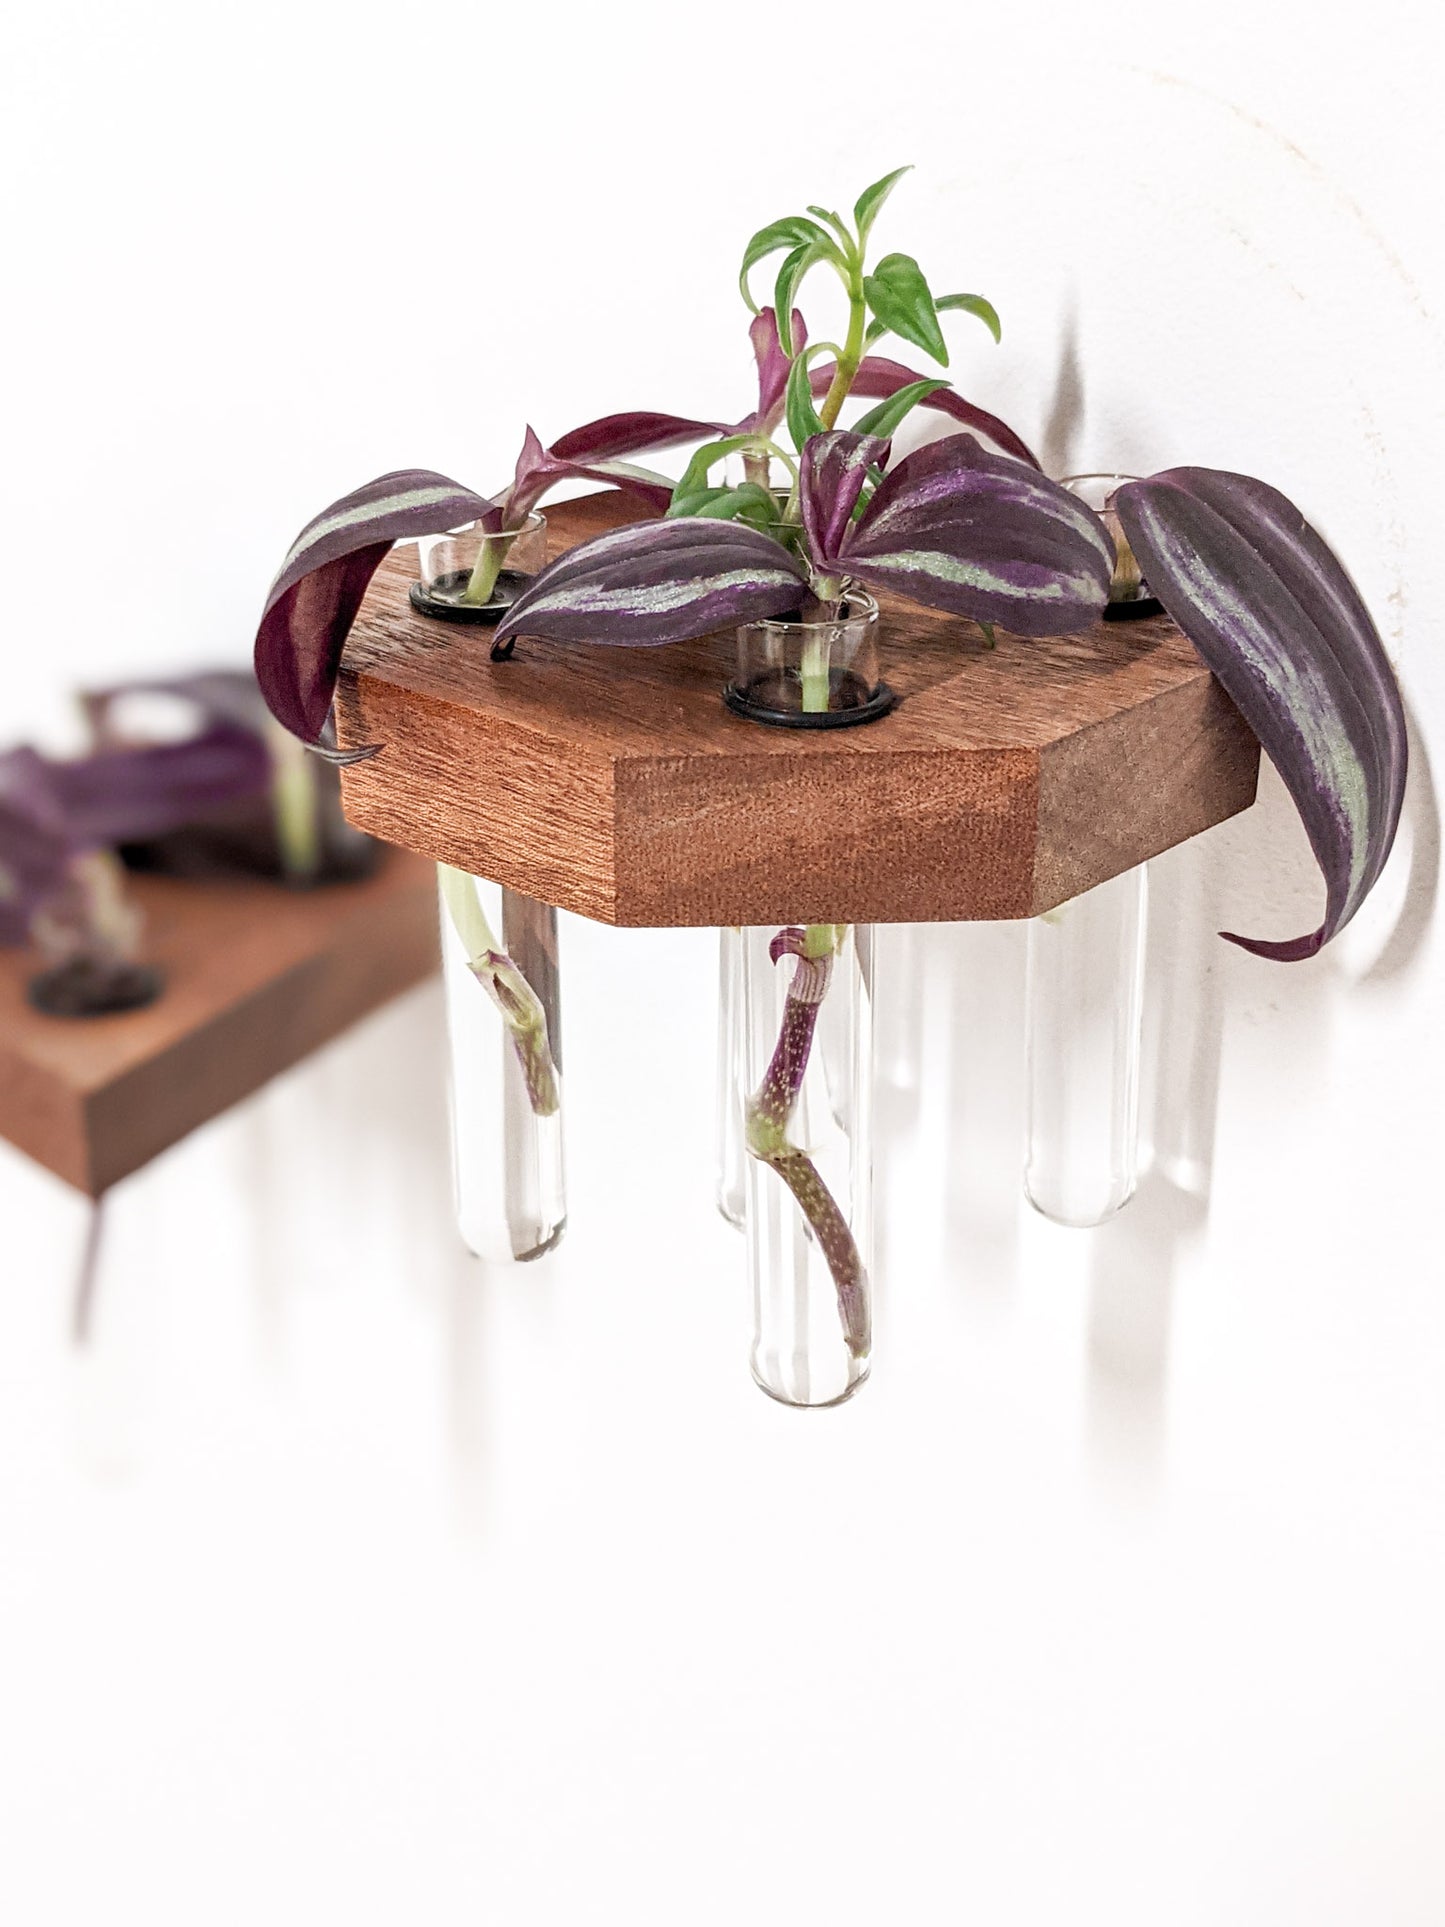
{"x":340,"y":1581}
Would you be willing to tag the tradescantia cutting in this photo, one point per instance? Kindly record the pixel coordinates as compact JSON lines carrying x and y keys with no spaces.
{"x":187,"y":775}
{"x":823,"y":509}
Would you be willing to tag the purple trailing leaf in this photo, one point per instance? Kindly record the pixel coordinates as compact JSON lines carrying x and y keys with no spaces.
{"x":958,"y":528}
{"x":834,"y":468}
{"x":1274,"y":615}
{"x":658,"y":582}
{"x":634,"y":433}
{"x":878,"y":378}
{"x":603,"y":443}
{"x":313,"y":601}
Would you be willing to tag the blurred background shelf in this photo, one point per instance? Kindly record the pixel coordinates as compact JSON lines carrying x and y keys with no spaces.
{"x":257,"y":977}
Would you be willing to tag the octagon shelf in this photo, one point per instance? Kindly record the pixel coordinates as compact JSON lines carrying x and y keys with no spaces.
{"x":1008,"y":780}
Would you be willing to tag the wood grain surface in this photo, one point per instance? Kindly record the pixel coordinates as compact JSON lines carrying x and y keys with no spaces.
{"x":614,"y":782}
{"x":257,"y":977}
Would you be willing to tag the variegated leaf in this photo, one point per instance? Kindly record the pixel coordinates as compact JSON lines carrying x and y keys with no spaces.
{"x":959,"y":528}
{"x":834,"y":468}
{"x":658,"y":582}
{"x":1273,"y":613}
{"x":313,"y":601}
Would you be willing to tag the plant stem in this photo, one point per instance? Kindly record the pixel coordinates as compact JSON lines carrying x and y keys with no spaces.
{"x":851,"y":355}
{"x":814,"y":667}
{"x":488,"y":567}
{"x":770,"y":1112}
{"x":294,"y":804}
{"x":521,"y":1008}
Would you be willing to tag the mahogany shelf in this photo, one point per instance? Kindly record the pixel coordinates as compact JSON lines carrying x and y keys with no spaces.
{"x":258,"y":976}
{"x":615,"y":783}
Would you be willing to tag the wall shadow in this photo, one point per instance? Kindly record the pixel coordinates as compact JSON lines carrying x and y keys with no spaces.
{"x":1134,"y":1259}
{"x":977,"y":970}
{"x":1064,"y":421}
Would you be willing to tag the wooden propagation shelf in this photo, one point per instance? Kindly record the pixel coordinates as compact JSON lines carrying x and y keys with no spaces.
{"x":614,"y":782}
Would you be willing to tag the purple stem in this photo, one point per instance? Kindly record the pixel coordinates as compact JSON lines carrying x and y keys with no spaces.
{"x":769,"y":1114}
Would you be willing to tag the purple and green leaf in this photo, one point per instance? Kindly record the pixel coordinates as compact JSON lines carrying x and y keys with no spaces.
{"x":597,"y":452}
{"x":834,"y":470}
{"x":657,"y":582}
{"x":958,"y":528}
{"x":1274,"y":615}
{"x":313,"y":601}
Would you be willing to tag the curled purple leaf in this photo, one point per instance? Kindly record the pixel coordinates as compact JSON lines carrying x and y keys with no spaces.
{"x":773,"y":364}
{"x":834,"y":468}
{"x":656,"y":582}
{"x":959,"y":528}
{"x":636,"y":432}
{"x":313,"y":601}
{"x":538,"y":468}
{"x":1272,"y":612}
{"x":878,"y":378}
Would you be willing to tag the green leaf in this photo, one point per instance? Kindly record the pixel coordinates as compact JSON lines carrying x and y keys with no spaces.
{"x":746,"y":502}
{"x":793,"y":231}
{"x":899,"y":296}
{"x":790,"y":276}
{"x":866,"y":207}
{"x":976,"y":305}
{"x":883,"y":419}
{"x":802,"y":417}
{"x":695,"y":475}
{"x":835,"y":221}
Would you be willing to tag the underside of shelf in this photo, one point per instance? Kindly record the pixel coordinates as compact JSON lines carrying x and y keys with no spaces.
{"x":613,"y":782}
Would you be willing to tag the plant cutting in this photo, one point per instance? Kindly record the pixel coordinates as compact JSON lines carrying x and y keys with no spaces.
{"x":61,"y":881}
{"x":187,"y":775}
{"x":481,"y":588}
{"x":291,"y":830}
{"x":826,"y":514}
